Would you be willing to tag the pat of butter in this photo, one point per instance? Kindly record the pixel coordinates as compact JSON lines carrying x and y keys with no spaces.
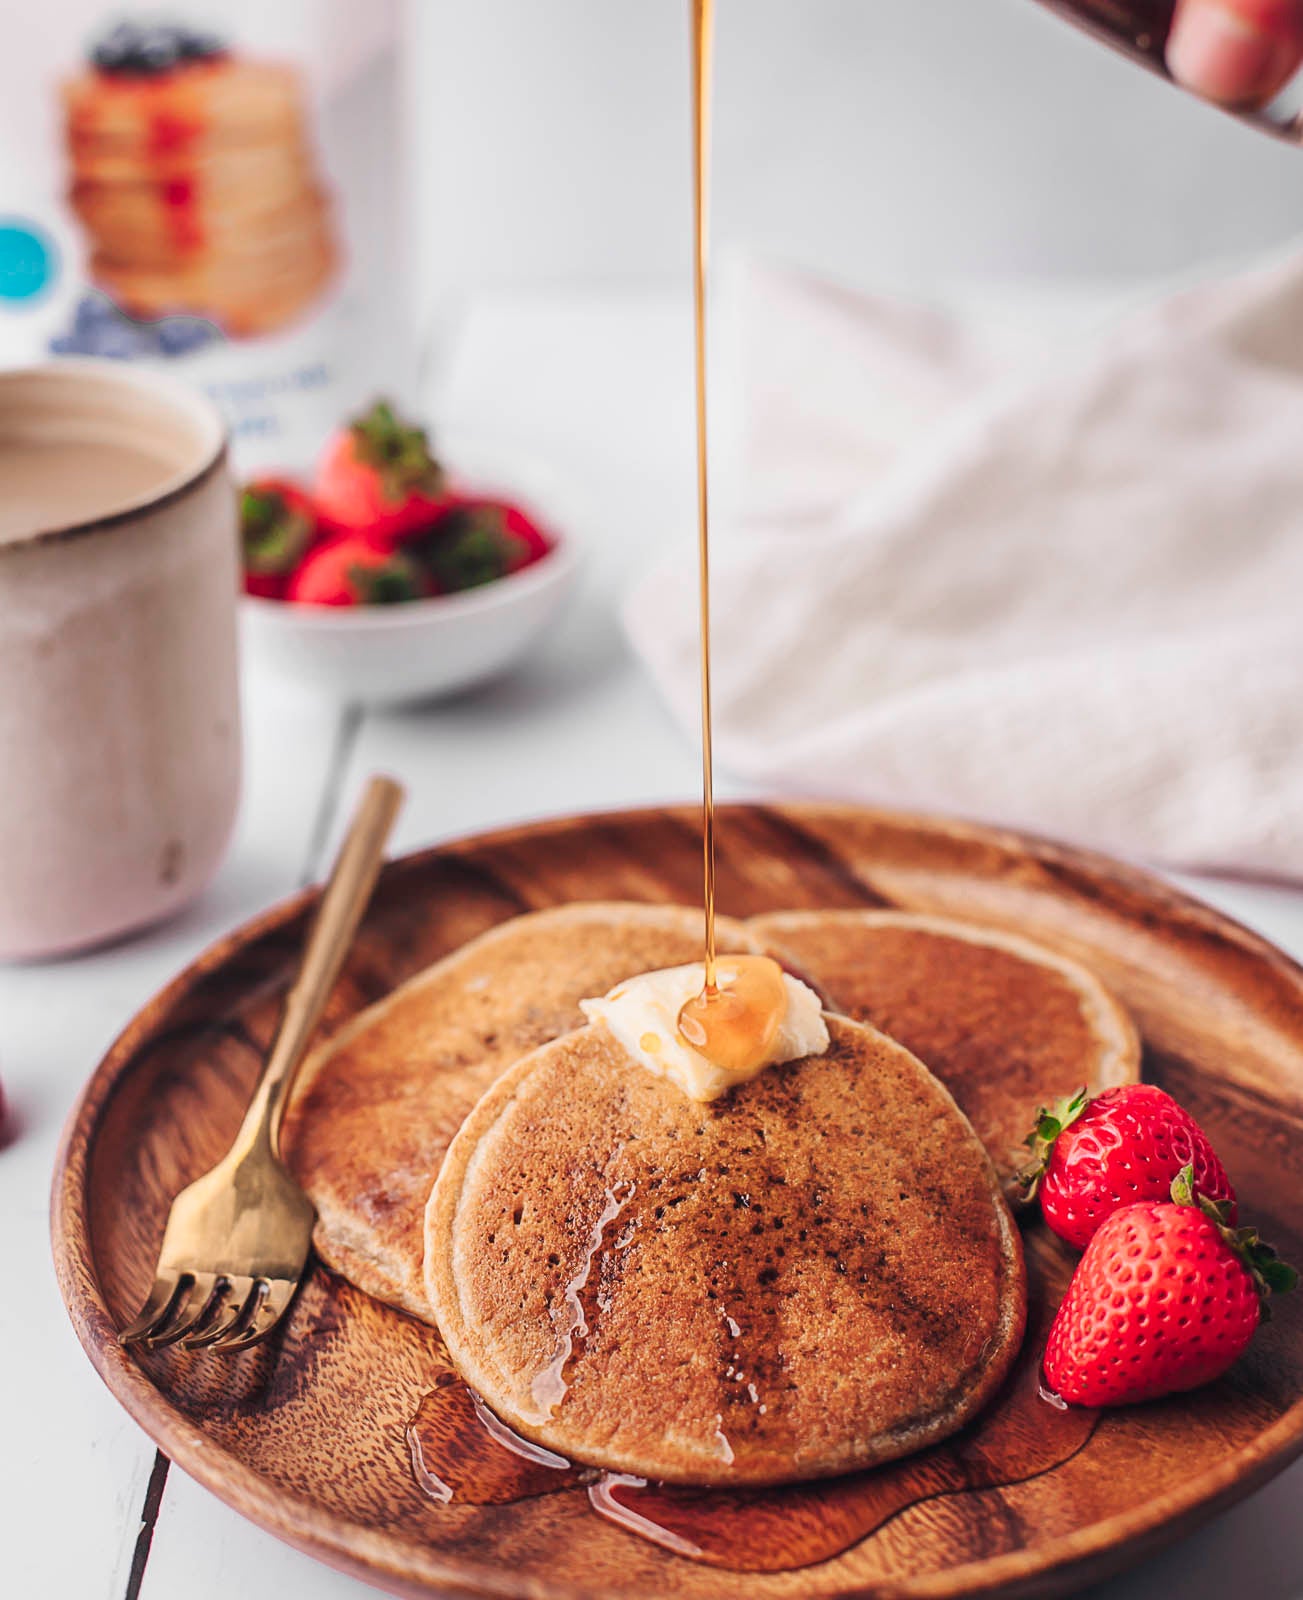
{"x":643,"y":1014}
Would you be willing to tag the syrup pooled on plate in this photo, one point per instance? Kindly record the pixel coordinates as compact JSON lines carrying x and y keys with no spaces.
{"x":463,"y":1455}
{"x":735,"y":1025}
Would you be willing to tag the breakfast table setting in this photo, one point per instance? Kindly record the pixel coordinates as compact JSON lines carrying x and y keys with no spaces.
{"x":578,"y":726}
{"x":601,"y":997}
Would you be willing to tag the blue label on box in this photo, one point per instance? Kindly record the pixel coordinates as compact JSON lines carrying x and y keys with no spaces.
{"x":28,"y":261}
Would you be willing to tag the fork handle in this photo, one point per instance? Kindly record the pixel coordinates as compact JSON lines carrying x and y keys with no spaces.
{"x":344,"y":899}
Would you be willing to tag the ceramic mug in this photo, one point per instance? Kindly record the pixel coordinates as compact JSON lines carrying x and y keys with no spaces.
{"x":119,"y":708}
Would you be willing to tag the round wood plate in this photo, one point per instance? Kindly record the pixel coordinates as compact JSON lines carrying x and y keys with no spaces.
{"x":306,"y":1434}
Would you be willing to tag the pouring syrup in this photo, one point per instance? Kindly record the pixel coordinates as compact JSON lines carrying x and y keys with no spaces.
{"x":732,"y":1027}
{"x":703,"y":34}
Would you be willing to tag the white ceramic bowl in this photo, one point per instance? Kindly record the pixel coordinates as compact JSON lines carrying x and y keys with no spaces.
{"x":415,"y":650}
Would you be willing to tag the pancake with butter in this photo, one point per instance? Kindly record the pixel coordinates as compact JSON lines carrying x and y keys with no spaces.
{"x":1006,"y":1024}
{"x":374,"y":1109}
{"x":812,"y":1273}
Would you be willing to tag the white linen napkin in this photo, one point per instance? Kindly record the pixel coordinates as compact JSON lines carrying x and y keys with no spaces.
{"x":1065,"y":594}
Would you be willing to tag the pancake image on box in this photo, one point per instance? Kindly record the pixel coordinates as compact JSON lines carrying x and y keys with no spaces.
{"x":194,"y":178}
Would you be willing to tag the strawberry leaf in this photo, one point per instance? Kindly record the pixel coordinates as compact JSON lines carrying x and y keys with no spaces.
{"x":1049,"y":1124}
{"x":387,"y":585}
{"x":467,"y":548}
{"x":1278,"y":1275}
{"x":274,"y":534}
{"x":1184,"y":1193}
{"x":399,"y":454}
{"x":1183,"y":1186}
{"x":1270,"y":1274}
{"x":1218,"y":1210}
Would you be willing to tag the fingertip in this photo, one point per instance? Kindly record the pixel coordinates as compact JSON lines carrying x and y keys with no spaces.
{"x":1217,"y":51}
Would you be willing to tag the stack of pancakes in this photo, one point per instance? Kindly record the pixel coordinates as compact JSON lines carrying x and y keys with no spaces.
{"x":814,"y":1273}
{"x":198,"y":190}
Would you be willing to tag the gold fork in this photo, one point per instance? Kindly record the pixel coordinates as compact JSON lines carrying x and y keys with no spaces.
{"x":237,"y":1239}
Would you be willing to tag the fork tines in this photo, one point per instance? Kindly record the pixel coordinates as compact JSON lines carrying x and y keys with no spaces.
{"x":207,"y":1310}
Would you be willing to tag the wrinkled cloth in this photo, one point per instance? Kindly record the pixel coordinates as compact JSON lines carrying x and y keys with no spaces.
{"x":1062,"y":593}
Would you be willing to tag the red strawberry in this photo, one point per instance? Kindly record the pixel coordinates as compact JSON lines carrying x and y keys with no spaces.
{"x":526,"y":540}
{"x":278,"y":522}
{"x":377,"y":477}
{"x":352,"y":572}
{"x":1165,"y":1298}
{"x":1092,"y":1156}
{"x":264,"y":585}
{"x":475,"y":541}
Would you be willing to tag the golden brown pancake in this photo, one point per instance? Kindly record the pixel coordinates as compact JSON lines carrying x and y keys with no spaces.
{"x":1006,"y":1024}
{"x":814,"y":1273}
{"x":376,"y":1107}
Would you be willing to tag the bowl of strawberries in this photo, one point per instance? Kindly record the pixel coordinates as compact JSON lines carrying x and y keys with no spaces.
{"x":386,"y":579}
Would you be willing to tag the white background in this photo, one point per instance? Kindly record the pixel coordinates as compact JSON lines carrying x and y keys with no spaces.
{"x":910,"y":144}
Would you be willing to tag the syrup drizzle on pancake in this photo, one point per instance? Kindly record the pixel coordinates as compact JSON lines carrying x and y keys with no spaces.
{"x":549,"y":1387}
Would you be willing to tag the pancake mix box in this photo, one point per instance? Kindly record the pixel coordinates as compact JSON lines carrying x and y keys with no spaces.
{"x":212,"y":190}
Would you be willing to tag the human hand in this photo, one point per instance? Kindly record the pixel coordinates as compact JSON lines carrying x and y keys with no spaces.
{"x":1236,"y":52}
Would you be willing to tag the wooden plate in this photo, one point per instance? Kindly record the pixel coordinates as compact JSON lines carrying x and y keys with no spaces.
{"x":306,"y":1435}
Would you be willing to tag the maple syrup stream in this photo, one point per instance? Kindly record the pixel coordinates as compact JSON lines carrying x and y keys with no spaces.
{"x":703,"y":35}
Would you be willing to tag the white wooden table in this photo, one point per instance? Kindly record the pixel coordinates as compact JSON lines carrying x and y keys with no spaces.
{"x":88,"y":1511}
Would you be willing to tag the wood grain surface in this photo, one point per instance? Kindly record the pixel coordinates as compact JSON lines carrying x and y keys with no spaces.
{"x":307,"y":1435}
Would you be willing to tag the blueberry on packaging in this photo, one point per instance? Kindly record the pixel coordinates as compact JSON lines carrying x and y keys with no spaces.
{"x":98,"y":328}
{"x":214,"y":190}
{"x":135,"y":49}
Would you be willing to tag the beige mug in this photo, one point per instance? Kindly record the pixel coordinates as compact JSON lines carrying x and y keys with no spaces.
{"x":119,"y":705}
